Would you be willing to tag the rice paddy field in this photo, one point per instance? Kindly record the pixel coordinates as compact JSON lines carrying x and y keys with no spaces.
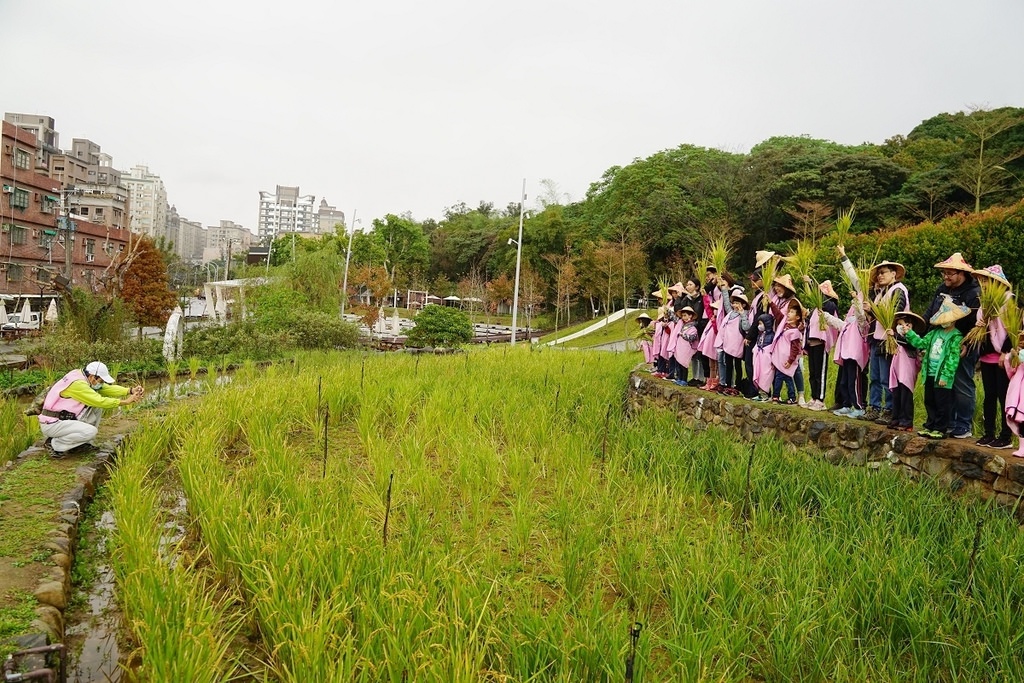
{"x":499,"y":516}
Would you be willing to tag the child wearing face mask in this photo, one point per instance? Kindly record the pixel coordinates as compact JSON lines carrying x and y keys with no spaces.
{"x":786,"y":349}
{"x":764,"y":373}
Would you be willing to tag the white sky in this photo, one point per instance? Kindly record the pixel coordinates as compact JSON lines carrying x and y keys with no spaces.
{"x":392,"y":106}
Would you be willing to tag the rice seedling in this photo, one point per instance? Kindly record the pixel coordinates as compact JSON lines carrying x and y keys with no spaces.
{"x":844,"y":221}
{"x":1011,"y":318}
{"x":769,"y":272}
{"x":195,"y":364}
{"x":509,"y":556}
{"x":884,"y":310}
{"x":717,"y":255}
{"x":994,"y":297}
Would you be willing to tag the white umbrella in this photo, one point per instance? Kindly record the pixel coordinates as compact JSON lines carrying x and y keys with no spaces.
{"x":3,"y":312}
{"x":51,"y":312}
{"x":26,"y":312}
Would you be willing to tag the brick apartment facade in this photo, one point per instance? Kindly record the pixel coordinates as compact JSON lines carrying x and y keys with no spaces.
{"x":31,"y":241}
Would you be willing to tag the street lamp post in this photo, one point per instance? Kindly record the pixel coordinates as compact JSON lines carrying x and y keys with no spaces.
{"x":519,"y":259}
{"x":348,"y":257}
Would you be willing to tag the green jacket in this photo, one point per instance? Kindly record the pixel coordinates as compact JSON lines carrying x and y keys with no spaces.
{"x":948,"y":361}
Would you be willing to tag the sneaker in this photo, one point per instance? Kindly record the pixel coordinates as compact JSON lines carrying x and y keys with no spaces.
{"x":961,"y":435}
{"x":984,"y":441}
{"x":999,"y":443}
{"x":789,"y":402}
{"x":925,"y":432}
{"x":936,"y":435}
{"x":870,"y":415}
{"x":856,"y":414}
{"x":801,"y":401}
{"x":884,"y":418}
{"x":842,"y":412}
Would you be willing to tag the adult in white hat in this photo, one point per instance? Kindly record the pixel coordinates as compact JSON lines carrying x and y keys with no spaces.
{"x":886,"y":286}
{"x":959,"y":284}
{"x":72,"y":409}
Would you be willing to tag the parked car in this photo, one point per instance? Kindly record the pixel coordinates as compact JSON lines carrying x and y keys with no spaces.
{"x":14,"y":322}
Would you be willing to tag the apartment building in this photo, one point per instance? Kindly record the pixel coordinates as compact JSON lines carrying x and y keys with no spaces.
{"x":284,"y":211}
{"x":148,"y":201}
{"x":43,"y":129}
{"x":328,"y":217}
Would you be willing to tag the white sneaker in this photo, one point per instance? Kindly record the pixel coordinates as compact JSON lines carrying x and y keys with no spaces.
{"x":800,"y":401}
{"x":855,"y":413}
{"x":841,"y":411}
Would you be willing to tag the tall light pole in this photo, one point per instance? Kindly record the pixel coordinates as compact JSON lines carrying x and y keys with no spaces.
{"x":519,"y":260}
{"x":348,"y":257}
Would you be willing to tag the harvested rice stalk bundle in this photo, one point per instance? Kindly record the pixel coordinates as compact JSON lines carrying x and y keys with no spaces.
{"x":993,"y":299}
{"x":813,"y":298}
{"x":844,"y":221}
{"x":885,"y":313}
{"x":1011,"y":316}
{"x":802,"y":261}
{"x":717,"y":255}
{"x":769,"y":272}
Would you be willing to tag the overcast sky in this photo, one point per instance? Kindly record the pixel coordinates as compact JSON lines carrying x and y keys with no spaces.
{"x":387,"y":107}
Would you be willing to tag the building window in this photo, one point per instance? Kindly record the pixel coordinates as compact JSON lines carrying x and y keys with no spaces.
{"x":84,"y":210}
{"x":14,"y":272}
{"x":19,"y":235}
{"x":19,"y":199}
{"x":21,"y":159}
{"x":43,"y":275}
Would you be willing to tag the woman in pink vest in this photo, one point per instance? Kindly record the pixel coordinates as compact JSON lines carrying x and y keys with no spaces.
{"x":74,"y":405}
{"x":1015,"y":395}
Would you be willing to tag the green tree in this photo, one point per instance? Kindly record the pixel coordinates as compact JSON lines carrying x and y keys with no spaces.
{"x":441,"y":326}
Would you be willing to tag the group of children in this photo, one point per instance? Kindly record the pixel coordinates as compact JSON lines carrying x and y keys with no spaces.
{"x":718,"y":339}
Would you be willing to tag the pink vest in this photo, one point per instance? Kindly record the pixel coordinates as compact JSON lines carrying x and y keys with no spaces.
{"x":851,"y":344}
{"x":686,"y":344}
{"x":673,"y":336}
{"x":781,"y":350}
{"x":879,"y":334}
{"x":1015,"y":399}
{"x":54,"y":402}
{"x":707,"y":340}
{"x":904,"y":369}
{"x":659,"y":338}
{"x":997,"y":335}
{"x":827,"y":335}
{"x":731,"y":336}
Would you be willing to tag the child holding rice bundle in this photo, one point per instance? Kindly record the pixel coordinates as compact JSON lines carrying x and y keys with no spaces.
{"x":851,"y":349}
{"x":990,"y":337}
{"x":644,"y":337}
{"x":685,"y":343}
{"x":903,"y":371}
{"x":819,"y":340}
{"x":890,"y":296}
{"x":785,"y":352}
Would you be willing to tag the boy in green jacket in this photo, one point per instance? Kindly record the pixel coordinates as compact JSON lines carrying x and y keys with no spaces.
{"x":940,"y":359}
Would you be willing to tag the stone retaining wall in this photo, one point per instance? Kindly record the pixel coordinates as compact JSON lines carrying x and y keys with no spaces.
{"x":956,"y":465}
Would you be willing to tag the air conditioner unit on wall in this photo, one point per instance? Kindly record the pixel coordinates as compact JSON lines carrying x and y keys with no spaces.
{"x":89,"y":258}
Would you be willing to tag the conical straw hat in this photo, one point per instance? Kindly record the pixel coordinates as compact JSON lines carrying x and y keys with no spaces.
{"x":786,"y":281}
{"x":827,"y":289}
{"x":955,"y":262}
{"x":949,"y":312}
{"x":994,"y":272}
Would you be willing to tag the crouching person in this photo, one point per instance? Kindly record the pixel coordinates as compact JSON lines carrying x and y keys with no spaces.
{"x":72,"y":409}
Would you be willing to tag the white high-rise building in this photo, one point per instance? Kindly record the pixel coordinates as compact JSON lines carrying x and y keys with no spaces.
{"x":286,"y":211}
{"x":148,"y":202}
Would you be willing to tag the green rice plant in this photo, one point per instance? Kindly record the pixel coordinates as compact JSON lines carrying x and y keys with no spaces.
{"x":769,"y":272}
{"x":884,"y":310}
{"x":195,"y":364}
{"x":717,"y":255}
{"x":1011,"y":318}
{"x":844,"y":221}
{"x":14,"y":429}
{"x":523,"y":540}
{"x":994,"y":297}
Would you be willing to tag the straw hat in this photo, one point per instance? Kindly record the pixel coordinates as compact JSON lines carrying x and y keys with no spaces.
{"x":644,"y":316}
{"x":827,"y":289}
{"x":677,"y":287}
{"x":687,"y":309}
{"x":740,"y":296}
{"x":949,"y":312}
{"x":916,"y":321}
{"x":955,"y":262}
{"x":786,"y":281}
{"x":716,"y":304}
{"x":898,"y":267}
{"x":762,"y":257}
{"x":995,"y":273}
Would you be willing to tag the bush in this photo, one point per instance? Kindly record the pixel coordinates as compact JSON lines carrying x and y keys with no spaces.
{"x":62,"y":350}
{"x":441,"y":326}
{"x":316,"y":330}
{"x":239,"y":339}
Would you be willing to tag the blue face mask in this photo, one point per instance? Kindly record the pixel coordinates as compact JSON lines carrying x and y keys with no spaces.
{"x":97,"y":385}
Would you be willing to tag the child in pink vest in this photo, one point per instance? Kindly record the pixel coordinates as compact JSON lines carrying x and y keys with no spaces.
{"x":903,"y":371}
{"x":685,"y":343}
{"x":706,"y":345}
{"x":851,"y":354}
{"x":734,"y":330}
{"x":644,"y":337}
{"x":1015,"y":395}
{"x":786,"y":350}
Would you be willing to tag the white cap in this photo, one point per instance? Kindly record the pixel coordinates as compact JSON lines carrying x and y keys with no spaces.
{"x":99,"y":370}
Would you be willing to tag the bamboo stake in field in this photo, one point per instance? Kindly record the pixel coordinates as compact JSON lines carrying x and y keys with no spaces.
{"x":362,"y":373}
{"x":745,"y":513}
{"x":974,"y":554}
{"x":604,"y":440}
{"x":319,"y":393}
{"x":327,"y":417}
{"x":416,"y":372}
{"x":634,"y":636}
{"x":387,"y":508}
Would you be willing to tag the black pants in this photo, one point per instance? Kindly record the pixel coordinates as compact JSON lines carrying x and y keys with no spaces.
{"x":673,"y":367}
{"x":733,"y":370}
{"x":661,"y":364}
{"x":816,"y":370}
{"x":938,"y":403}
{"x":903,"y":406}
{"x":995,"y":383}
{"x":848,"y":394}
{"x":749,"y":389}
